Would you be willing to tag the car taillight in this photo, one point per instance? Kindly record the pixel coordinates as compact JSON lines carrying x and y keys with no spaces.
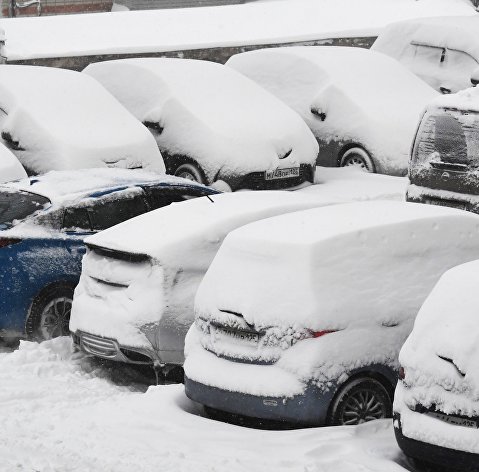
{"x":318,"y":334}
{"x":5,"y":242}
{"x":402,"y":373}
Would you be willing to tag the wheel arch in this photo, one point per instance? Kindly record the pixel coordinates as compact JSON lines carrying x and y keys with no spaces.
{"x":351,"y":145}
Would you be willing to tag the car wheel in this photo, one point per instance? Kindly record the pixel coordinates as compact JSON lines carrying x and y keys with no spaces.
{"x":361,"y":400}
{"x":191,"y":172}
{"x":357,"y":157}
{"x":50,"y":314}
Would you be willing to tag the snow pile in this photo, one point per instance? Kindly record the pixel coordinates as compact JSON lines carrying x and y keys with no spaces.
{"x":210,"y":113}
{"x":380,"y":111}
{"x":197,"y":28}
{"x":10,"y":167}
{"x":441,"y":360}
{"x":360,"y":269}
{"x":467,"y":100}
{"x":58,"y":416}
{"x":411,"y":42}
{"x":56,"y":119}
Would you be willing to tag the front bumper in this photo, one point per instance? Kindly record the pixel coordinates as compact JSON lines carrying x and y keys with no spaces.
{"x":110,"y":349}
{"x":309,"y":408}
{"x":434,"y":455}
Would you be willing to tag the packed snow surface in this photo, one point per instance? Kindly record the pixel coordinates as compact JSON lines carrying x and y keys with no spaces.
{"x":59,"y":119}
{"x":210,"y":113}
{"x":419,"y":43}
{"x":441,"y":360}
{"x":379,"y":111}
{"x":58,"y":416}
{"x":196,"y":28}
{"x":10,"y":167}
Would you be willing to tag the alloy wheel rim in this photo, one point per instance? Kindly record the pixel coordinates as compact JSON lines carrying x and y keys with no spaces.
{"x":361,"y":407}
{"x":55,"y":318}
{"x":356,"y":161}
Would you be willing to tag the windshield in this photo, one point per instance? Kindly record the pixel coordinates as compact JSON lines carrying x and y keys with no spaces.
{"x":17,"y":205}
{"x":449,"y":137}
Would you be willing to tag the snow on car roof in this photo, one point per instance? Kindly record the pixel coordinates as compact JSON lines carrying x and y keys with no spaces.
{"x":61,"y":119}
{"x":185,"y":234}
{"x":60,"y":186}
{"x":451,"y":32}
{"x":209,"y":112}
{"x":467,"y":100}
{"x":10,"y":167}
{"x":196,"y":28}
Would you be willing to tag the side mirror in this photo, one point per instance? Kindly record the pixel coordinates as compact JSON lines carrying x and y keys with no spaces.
{"x":475,"y":77}
{"x":319,"y":113}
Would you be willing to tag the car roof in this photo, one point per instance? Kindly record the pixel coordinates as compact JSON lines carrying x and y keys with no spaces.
{"x":62,"y":186}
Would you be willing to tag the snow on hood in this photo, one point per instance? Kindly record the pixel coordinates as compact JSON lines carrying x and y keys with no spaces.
{"x":60,"y":186}
{"x":459,"y":33}
{"x":447,"y":327}
{"x":348,"y":264}
{"x":188,"y":234}
{"x":10,"y":167}
{"x":379,"y":110}
{"x":65,"y":120}
{"x":467,"y":100}
{"x":209,"y":112}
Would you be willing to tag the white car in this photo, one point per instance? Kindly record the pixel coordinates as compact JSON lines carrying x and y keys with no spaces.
{"x":213,"y":124}
{"x":443,"y":51}
{"x":134,"y":302}
{"x":301,"y":317}
{"x":56,"y":119}
{"x":436,"y":405}
{"x":363,"y":107}
{"x":10,"y":167}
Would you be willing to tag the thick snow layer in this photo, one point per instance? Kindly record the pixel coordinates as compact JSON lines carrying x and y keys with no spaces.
{"x":195,"y":28}
{"x":467,"y":100}
{"x":379,"y":111}
{"x":10,"y":167}
{"x":61,"y":119}
{"x":411,"y":43}
{"x":441,"y":360}
{"x":210,"y":113}
{"x":57,"y":416}
{"x":360,"y":269}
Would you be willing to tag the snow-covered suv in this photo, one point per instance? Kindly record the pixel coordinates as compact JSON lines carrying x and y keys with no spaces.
{"x":301,"y":317}
{"x":436,"y":406}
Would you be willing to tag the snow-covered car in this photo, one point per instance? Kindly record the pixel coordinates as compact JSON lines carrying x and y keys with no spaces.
{"x":10,"y":167}
{"x":56,"y":119}
{"x":444,"y":167}
{"x":363,"y":107}
{"x":442,"y":51}
{"x":301,"y":317}
{"x":436,"y":404}
{"x":212,"y":123}
{"x":134,"y":302}
{"x":43,"y":222}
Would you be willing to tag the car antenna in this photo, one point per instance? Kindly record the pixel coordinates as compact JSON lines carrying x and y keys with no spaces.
{"x":209,"y":198}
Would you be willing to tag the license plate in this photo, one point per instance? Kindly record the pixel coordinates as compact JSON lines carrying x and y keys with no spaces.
{"x":447,"y":203}
{"x":282,"y":173}
{"x":454,"y":420}
{"x":245,"y":336}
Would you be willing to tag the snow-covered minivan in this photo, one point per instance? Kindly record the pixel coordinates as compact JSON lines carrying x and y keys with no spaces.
{"x":444,"y":165}
{"x":436,"y":405}
{"x":301,"y":317}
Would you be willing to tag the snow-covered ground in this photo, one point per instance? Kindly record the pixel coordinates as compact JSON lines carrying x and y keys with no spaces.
{"x":196,"y":28}
{"x":59,"y":414}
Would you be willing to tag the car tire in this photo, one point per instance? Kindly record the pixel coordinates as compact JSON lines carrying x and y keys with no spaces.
{"x":190,"y":171}
{"x":50,"y":313}
{"x":357,"y":157}
{"x":362,"y":399}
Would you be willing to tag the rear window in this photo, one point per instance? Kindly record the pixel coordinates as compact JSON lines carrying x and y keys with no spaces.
{"x":18,"y":205}
{"x":448,"y":137}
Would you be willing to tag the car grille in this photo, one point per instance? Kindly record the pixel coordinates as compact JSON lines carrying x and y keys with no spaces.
{"x":99,"y":346}
{"x":257,"y":181}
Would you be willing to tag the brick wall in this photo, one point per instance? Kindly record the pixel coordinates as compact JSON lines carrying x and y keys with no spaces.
{"x":55,"y":7}
{"x":155,"y":4}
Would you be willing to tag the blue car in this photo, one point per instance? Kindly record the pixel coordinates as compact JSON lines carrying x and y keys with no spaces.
{"x":43,"y":222}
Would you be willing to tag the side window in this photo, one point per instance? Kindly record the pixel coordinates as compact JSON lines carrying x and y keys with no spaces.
{"x":106,"y":213}
{"x":76,"y":218}
{"x":162,"y":196}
